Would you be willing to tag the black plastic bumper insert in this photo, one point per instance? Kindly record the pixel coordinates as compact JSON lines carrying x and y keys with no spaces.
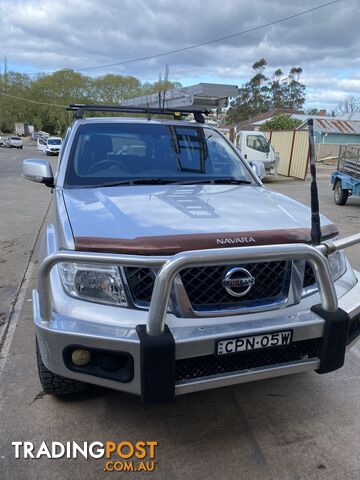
{"x":332,"y":353}
{"x":157,"y":364}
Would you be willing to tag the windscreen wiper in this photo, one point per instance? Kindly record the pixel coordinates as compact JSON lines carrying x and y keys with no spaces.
{"x":135,"y":181}
{"x":214,"y":181}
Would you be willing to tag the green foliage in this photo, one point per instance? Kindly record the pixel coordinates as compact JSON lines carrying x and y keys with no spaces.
{"x":313,"y":111}
{"x":260,"y":94}
{"x":61,"y":88}
{"x":281,"y":122}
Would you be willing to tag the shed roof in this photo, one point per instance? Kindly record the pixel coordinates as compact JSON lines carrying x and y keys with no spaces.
{"x":335,"y":125}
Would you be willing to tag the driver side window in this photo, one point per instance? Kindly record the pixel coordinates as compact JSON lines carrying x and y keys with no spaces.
{"x":91,"y":150}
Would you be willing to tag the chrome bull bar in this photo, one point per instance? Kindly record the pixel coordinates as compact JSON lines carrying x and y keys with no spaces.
{"x":170,"y":266}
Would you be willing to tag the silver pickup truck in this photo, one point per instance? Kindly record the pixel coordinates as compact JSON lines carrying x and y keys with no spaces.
{"x":169,"y":268}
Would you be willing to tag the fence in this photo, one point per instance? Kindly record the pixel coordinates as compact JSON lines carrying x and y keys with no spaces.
{"x":324,"y":150}
{"x":293,"y":148}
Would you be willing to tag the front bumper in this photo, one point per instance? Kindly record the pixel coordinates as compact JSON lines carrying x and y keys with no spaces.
{"x":196,"y":343}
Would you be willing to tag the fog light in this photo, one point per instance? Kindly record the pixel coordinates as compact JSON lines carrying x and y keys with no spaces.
{"x":80,"y":357}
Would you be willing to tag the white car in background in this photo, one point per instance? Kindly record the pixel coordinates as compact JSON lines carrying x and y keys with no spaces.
{"x":14,"y":142}
{"x":50,"y":145}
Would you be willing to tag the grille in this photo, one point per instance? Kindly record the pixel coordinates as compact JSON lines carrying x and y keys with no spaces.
{"x":204,"y":284}
{"x":204,"y":366}
{"x":309,"y":276}
{"x":141,"y":284}
{"x":204,"y":287}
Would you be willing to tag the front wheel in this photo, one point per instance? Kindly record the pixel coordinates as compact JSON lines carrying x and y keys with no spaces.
{"x":340,"y":194}
{"x":54,"y":384}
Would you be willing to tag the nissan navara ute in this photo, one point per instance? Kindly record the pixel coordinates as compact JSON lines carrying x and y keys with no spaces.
{"x":169,"y":268}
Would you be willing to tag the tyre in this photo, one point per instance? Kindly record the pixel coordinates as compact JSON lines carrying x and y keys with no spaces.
{"x":340,"y":194}
{"x":54,"y":384}
{"x":47,"y":154}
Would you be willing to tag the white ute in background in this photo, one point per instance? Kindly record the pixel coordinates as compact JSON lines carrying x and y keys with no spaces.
{"x":50,"y":146}
{"x":254,"y":146}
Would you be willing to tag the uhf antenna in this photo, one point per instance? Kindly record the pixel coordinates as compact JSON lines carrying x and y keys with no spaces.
{"x":315,"y":214}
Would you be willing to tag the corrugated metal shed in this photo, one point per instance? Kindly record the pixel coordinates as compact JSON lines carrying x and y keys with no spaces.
{"x":303,"y":117}
{"x":336,"y":125}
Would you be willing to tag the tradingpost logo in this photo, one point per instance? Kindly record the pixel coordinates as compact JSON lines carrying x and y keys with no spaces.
{"x":124,"y":456}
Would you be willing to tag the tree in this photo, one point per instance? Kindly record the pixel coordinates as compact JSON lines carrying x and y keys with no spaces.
{"x":58,"y":90}
{"x":260,"y":95}
{"x":253,"y":96}
{"x":283,"y":121}
{"x":313,"y":111}
{"x":114,"y":89}
{"x":160,"y":86}
{"x":350,"y":104}
{"x":12,"y":109}
{"x":240,"y":108}
{"x":294,"y":97}
{"x":276,"y":89}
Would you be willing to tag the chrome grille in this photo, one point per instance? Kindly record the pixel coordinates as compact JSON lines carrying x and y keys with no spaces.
{"x":206,"y":365}
{"x":204,"y":286}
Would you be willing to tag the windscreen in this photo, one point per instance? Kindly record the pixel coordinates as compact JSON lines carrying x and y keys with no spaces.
{"x":108,"y":152}
{"x":54,"y":141}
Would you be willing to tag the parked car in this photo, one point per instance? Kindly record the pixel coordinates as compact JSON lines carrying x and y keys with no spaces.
{"x":14,"y":142}
{"x":39,"y":134}
{"x":2,"y":141}
{"x":50,"y":145}
{"x":35,"y":136}
{"x":172,"y":269}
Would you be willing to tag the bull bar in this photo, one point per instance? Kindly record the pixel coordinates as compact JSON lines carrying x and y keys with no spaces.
{"x":157,"y":345}
{"x":170,"y":266}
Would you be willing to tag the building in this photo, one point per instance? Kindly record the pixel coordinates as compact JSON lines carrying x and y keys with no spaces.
{"x":335,"y":131}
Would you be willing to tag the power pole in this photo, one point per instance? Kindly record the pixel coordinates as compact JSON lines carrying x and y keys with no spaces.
{"x":5,"y":73}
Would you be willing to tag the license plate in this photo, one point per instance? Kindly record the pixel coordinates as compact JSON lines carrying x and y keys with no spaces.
{"x":254,"y":342}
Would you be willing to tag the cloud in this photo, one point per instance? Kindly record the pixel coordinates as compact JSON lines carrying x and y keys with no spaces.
{"x":49,"y":34}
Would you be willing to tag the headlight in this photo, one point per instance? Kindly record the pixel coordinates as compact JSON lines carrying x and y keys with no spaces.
{"x":337,"y":264}
{"x":100,"y":283}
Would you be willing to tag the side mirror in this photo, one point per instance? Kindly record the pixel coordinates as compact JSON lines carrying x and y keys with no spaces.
{"x":258,"y":168}
{"x":38,"y":171}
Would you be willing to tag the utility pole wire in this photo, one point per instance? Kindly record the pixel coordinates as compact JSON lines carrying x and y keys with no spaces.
{"x":197,"y":45}
{"x":33,"y":101}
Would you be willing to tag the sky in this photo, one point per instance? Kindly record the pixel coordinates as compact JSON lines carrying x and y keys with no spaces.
{"x":46,"y":35}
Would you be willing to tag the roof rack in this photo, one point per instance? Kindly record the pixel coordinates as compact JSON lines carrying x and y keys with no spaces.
{"x":80,"y":109}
